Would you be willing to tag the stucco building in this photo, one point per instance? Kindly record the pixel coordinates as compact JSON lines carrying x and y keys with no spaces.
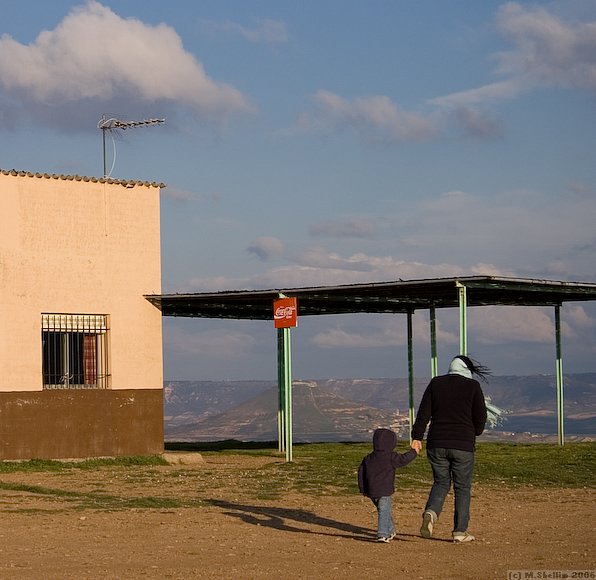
{"x":81,"y":371}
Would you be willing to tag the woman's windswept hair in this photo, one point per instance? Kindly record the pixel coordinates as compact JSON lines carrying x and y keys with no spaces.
{"x":475,"y":367}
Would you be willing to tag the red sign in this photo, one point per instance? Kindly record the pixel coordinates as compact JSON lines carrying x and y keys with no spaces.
{"x":285,"y":312}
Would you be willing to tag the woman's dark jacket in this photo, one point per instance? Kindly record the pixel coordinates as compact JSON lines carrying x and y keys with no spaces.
{"x":376,"y":473}
{"x":455,"y":407}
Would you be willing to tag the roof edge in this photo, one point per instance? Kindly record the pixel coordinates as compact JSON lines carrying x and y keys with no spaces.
{"x":65,"y":177}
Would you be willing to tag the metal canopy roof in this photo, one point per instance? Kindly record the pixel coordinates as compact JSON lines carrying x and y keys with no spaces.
{"x":382,"y":297}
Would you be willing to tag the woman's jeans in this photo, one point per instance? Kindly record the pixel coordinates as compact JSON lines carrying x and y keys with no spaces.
{"x":451,"y":465}
{"x":385,"y":526}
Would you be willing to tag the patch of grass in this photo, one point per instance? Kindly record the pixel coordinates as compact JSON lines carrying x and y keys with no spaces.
{"x":322,"y":469}
{"x":91,"y":464}
{"x":99,"y":500}
{"x":252,"y":447}
{"x":331,"y":468}
{"x":537,"y":464}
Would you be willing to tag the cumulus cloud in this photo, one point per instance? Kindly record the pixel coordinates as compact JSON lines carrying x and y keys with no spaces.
{"x":375,"y":118}
{"x":217,"y":343}
{"x":94,"y":55}
{"x":178,"y":194}
{"x":344,"y":228}
{"x":518,"y":233}
{"x":488,"y":326}
{"x":266,"y":248}
{"x":497,"y":324}
{"x":319,"y":266}
{"x":546,"y":51}
{"x":492,"y":92}
{"x":379,"y":332}
{"x":341,"y":338}
{"x":551,"y":230}
{"x":265,"y":31}
{"x":476,"y":123}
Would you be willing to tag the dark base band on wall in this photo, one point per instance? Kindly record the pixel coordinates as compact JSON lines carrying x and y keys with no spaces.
{"x":73,"y":424}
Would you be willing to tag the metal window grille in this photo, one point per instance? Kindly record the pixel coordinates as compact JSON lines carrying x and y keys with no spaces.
{"x":75,"y":351}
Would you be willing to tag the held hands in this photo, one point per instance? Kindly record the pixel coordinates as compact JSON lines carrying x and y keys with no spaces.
{"x":417,"y":446}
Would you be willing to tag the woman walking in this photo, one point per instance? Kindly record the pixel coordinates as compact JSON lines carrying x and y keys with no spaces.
{"x":454,"y":405}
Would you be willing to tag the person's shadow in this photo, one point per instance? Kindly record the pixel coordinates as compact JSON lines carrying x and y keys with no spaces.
{"x":286,"y":519}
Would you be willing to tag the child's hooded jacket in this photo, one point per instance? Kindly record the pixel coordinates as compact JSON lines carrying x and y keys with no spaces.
{"x":376,"y":473}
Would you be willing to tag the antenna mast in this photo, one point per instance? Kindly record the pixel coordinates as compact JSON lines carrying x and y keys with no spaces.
{"x":115,"y":124}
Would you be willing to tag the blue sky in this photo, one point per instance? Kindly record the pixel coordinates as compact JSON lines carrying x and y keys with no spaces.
{"x":330,"y":142}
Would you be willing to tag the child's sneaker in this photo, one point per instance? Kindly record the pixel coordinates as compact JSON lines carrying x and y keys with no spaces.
{"x":428,"y":523}
{"x":460,"y":537}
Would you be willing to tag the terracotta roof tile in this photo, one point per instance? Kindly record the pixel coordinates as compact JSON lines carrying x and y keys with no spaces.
{"x":123,"y":182}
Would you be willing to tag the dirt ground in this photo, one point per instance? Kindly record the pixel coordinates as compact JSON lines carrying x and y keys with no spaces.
{"x":229,"y":535}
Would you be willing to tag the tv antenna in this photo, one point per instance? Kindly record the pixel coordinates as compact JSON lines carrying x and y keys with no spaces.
{"x":112,"y":125}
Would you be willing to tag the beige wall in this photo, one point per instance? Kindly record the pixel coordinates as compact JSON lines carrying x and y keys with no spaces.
{"x":79,"y":247}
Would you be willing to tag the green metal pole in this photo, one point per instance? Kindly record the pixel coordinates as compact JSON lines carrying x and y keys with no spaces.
{"x":410,"y":372}
{"x":281,"y":392}
{"x":288,"y":393}
{"x":463,"y":319}
{"x":434,"y":366}
{"x":559,"y":378}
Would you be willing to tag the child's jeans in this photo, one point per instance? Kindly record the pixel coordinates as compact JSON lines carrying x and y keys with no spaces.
{"x":385,"y":526}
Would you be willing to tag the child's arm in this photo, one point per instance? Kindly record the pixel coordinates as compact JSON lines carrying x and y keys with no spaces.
{"x":402,"y":459}
{"x":361,"y":479}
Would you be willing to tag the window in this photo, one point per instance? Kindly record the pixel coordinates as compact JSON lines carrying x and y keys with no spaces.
{"x":74,"y":351}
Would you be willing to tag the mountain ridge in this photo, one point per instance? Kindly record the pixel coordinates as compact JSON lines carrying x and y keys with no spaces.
{"x":349,"y":409}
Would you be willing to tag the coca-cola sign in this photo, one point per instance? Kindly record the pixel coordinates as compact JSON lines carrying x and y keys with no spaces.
{"x":285,"y":312}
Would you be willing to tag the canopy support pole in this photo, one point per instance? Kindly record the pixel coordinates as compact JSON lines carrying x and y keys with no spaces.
{"x":559,"y":378}
{"x":281,"y":393}
{"x":410,"y":372}
{"x":284,"y":376}
{"x":463,"y":319}
{"x":434,"y":365}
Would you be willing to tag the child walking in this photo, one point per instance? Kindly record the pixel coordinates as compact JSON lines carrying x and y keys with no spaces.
{"x":376,"y":478}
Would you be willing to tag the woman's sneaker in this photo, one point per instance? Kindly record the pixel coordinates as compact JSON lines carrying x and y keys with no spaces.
{"x":460,"y":537}
{"x":428,"y":523}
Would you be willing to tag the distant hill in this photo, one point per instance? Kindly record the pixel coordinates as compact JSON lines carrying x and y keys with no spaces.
{"x":318,"y":415}
{"x":349,"y":409}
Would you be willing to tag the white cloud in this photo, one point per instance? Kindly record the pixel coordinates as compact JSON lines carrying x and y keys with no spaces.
{"x":380,"y":332}
{"x":217,"y":283}
{"x":493,"y":92}
{"x":487,"y":325}
{"x":476,"y":123}
{"x":265,"y":31}
{"x":94,"y":54}
{"x":178,"y":194}
{"x":551,"y":231}
{"x":546,"y":51}
{"x":344,"y":228}
{"x":321,"y":267}
{"x":499,"y":324}
{"x":217,"y":343}
{"x":375,"y":118}
{"x":578,"y":317}
{"x":517,"y":233}
{"x":266,"y":248}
